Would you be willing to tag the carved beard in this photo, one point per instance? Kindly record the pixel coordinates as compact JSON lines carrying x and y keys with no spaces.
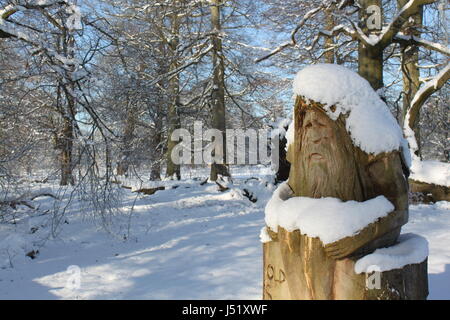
{"x":333,"y":176}
{"x":327,"y":169}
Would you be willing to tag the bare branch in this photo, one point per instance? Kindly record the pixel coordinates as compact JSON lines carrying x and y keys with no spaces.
{"x":426,"y":91}
{"x":409,"y":9}
{"x":274,"y":52}
{"x":413,"y":40}
{"x":293,"y":42}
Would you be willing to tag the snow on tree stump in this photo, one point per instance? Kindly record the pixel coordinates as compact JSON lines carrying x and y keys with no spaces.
{"x":381,"y":275}
{"x":332,"y":230}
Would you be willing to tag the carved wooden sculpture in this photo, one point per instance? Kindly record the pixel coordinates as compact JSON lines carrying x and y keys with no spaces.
{"x":325,"y":163}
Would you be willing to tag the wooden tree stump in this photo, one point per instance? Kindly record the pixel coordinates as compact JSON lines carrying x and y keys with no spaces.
{"x":292,"y":274}
{"x":325,"y":163}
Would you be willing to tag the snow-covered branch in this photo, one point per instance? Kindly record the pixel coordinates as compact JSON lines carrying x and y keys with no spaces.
{"x":413,"y":40}
{"x":429,"y":88}
{"x":310,"y":14}
{"x":8,"y":29}
{"x":388,"y":35}
{"x":409,"y":9}
{"x":9,"y":10}
{"x":306,"y":17}
{"x":332,"y":33}
{"x":419,"y":99}
{"x":274,"y":52}
{"x":194,"y":59}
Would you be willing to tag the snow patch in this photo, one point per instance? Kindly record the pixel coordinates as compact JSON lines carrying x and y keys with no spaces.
{"x":370,"y":123}
{"x":279,"y":130}
{"x":264,"y":235}
{"x":330,"y":219}
{"x":430,"y":171}
{"x":411,"y":249}
{"x":181,"y":239}
{"x":290,"y":134}
{"x":14,"y":242}
{"x":442,"y":205}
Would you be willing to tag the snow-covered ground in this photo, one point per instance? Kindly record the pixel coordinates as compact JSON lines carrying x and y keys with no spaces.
{"x":188,"y":242}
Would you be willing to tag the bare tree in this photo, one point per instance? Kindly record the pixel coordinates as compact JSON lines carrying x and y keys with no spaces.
{"x":218,"y":90}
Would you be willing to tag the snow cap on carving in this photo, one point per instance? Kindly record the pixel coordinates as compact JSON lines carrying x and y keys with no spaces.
{"x":369,"y":121}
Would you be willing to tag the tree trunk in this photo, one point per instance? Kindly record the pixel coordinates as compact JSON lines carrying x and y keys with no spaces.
{"x":68,"y":112}
{"x":329,"y":41}
{"x":411,"y":72}
{"x":155,"y":166}
{"x":370,"y":59}
{"x":173,"y":117}
{"x":218,"y":93}
{"x":127,"y":141}
{"x":66,"y":153}
{"x":108,"y":163}
{"x":370,"y":65}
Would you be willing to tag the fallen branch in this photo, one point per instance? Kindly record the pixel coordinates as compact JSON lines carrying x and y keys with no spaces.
{"x":149,"y":191}
{"x":25,"y":199}
{"x":45,"y":180}
{"x":251,"y":178}
{"x":221,"y":187}
{"x":249,"y":195}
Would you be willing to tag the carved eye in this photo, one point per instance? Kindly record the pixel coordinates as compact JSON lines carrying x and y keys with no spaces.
{"x":308,"y":125}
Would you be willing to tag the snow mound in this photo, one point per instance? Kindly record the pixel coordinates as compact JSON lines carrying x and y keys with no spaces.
{"x":430,"y":171}
{"x":370,"y":123}
{"x":330,"y":219}
{"x":442,"y":205}
{"x":264,"y":235}
{"x":279,"y":130}
{"x":411,"y":249}
{"x":290,"y":134}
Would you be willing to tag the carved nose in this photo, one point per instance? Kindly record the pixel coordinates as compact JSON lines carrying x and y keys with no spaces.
{"x":316,"y":137}
{"x":316,"y":140}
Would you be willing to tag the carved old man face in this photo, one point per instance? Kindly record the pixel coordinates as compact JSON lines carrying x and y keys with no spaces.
{"x":322,"y":157}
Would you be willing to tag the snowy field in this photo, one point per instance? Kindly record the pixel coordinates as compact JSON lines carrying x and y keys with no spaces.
{"x":189,"y":241}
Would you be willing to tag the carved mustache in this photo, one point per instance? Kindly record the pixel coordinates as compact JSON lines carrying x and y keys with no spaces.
{"x":318,"y":153}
